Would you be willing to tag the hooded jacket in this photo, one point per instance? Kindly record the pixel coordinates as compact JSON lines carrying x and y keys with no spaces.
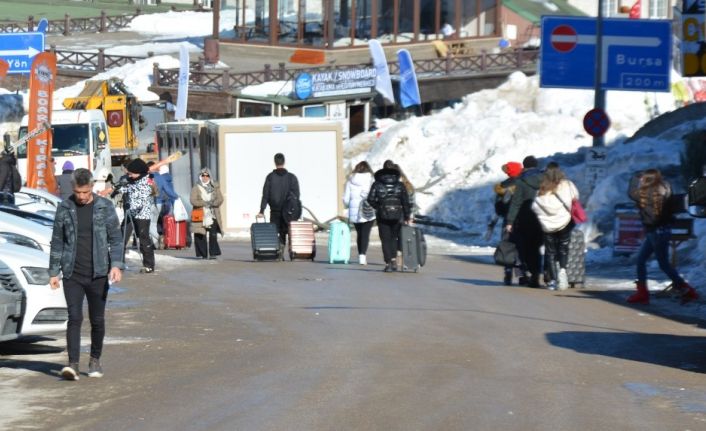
{"x":553,"y":209}
{"x":107,"y":238}
{"x":214,"y":204}
{"x":277,"y":184}
{"x":526,"y":187}
{"x":389,"y":197}
{"x":357,"y":189}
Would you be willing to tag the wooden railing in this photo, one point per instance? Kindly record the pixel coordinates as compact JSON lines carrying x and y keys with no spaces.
{"x":97,"y":61}
{"x":226,"y":80}
{"x":69,"y":25}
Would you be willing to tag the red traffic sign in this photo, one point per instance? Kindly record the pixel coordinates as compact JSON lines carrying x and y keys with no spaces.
{"x":596,"y":122}
{"x":564,"y":38}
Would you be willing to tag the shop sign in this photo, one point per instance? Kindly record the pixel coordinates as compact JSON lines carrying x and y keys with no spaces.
{"x":338,"y":82}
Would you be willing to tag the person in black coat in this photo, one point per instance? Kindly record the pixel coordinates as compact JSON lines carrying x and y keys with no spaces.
{"x":522,"y":222}
{"x":10,"y":179}
{"x":390,"y":199}
{"x":277,"y":186}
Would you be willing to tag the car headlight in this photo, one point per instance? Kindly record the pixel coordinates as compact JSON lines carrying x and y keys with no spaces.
{"x":36,"y":275}
{"x":17,"y":239}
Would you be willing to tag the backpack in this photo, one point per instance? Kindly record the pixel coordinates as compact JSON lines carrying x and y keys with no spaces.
{"x":391,"y":206}
{"x":292,"y":208}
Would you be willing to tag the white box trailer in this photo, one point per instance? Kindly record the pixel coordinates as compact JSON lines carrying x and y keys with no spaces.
{"x":313,"y":149}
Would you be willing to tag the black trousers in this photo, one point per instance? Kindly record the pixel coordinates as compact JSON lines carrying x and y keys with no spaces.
{"x":389,"y":231}
{"x":556,"y":249}
{"x":207,"y":245}
{"x":528,"y":241}
{"x":142,"y":228}
{"x":363,"y":235}
{"x":282,"y":226}
{"x":96,"y":292}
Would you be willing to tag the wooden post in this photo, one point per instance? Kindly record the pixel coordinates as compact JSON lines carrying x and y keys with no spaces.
{"x":447,"y":62}
{"x":483,"y":59}
{"x":225,"y":81}
{"x":101,"y":60}
{"x":282,"y":71}
{"x":30,"y":23}
{"x":155,"y":74}
{"x":150,"y":54}
{"x":268,"y":73}
{"x":52,"y":48}
{"x":67,"y":24}
{"x":103,"y":22}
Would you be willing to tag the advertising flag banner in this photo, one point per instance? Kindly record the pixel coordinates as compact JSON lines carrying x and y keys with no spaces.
{"x":183,"y":88}
{"x":4,"y":67}
{"x":383,"y":84}
{"x":40,"y":172}
{"x":409,"y":89}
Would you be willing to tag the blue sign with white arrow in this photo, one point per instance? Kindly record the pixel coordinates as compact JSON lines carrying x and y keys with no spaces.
{"x":19,"y":49}
{"x":636,"y":53}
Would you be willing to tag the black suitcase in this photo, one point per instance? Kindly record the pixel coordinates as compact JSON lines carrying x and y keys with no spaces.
{"x":576,"y":265}
{"x":414,"y":248}
{"x":265,"y":241}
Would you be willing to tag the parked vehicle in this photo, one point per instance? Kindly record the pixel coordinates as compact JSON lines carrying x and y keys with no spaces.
{"x":37,"y":232}
{"x":34,"y":217}
{"x":11,"y":303}
{"x":39,"y":196}
{"x":44,"y":309}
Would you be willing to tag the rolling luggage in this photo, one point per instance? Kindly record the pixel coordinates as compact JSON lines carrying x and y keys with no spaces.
{"x":414,"y":248}
{"x":576,"y":266}
{"x":339,"y":243}
{"x":302,"y":242}
{"x":265,"y":241}
{"x":174,"y":232}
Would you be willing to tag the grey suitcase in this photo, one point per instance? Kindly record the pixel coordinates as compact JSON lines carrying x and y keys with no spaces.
{"x":576,"y":266}
{"x":265,"y":241}
{"x":414,"y":248}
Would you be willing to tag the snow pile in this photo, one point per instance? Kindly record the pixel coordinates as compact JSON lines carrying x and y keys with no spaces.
{"x":180,"y":24}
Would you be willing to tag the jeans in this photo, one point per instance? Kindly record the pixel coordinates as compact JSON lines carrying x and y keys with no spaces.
{"x":96,"y":292}
{"x":363,"y":235}
{"x":389,"y":231}
{"x":207,"y":245}
{"x":657,"y":242}
{"x":556,"y":249}
{"x":142,"y":228}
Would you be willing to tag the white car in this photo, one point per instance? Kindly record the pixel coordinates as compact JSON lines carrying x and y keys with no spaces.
{"x":38,"y":233}
{"x":45,"y":311}
{"x":37,"y":201}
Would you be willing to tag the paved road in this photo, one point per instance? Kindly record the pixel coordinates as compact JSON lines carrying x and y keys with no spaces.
{"x":237,"y":345}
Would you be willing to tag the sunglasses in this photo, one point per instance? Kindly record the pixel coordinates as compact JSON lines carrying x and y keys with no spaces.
{"x":205,"y":175}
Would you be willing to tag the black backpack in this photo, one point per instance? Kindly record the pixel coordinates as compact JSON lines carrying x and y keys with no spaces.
{"x":292,"y":208}
{"x":391,"y":205}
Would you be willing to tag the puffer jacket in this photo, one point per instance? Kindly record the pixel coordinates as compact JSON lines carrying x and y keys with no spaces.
{"x":357,"y":189}
{"x":389,"y":197}
{"x":554,"y":209}
{"x":107,"y":239}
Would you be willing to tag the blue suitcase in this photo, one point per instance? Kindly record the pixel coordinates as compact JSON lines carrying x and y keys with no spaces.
{"x":339,"y":243}
{"x":265,"y":241}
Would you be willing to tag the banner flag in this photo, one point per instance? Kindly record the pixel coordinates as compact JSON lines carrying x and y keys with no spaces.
{"x":183,"y":89}
{"x":409,"y":89}
{"x":383,"y":84}
{"x":40,"y":172}
{"x":4,"y":67}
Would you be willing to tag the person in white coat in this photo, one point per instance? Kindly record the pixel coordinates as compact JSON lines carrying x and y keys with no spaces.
{"x":553,"y":208}
{"x":360,"y":213}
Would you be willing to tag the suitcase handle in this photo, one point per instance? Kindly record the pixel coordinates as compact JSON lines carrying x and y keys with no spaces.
{"x":257,"y":217}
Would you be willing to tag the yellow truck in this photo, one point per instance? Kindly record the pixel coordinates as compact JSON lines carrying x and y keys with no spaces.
{"x":122,"y":114}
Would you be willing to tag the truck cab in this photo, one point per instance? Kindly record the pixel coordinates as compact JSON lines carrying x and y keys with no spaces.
{"x":79,"y":136}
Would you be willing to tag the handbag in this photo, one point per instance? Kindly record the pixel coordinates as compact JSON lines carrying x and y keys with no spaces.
{"x":366,"y":211}
{"x":505,"y":253}
{"x":197,"y":215}
{"x":578,"y":214}
{"x":180,"y":213}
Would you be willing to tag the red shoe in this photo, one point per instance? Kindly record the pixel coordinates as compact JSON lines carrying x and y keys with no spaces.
{"x":688,"y":293}
{"x":642,"y":296}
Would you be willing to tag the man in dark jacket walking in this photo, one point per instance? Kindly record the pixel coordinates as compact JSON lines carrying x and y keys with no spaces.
{"x":87,"y":250}
{"x":10,"y":179}
{"x":278,"y":185}
{"x":390,"y":199}
{"x":64,"y":180}
{"x":522,"y":222}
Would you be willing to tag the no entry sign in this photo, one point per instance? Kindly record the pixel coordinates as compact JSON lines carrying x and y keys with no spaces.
{"x":564,"y":38}
{"x":596,"y":122}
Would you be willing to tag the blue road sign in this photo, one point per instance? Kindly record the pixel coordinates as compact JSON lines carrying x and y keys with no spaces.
{"x":636,"y":53}
{"x":19,"y":49}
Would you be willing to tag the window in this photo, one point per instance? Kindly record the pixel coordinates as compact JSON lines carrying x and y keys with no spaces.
{"x":68,"y":140}
{"x":317,"y":111}
{"x":254,"y":109}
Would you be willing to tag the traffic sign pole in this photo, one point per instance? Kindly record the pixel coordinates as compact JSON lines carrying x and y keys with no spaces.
{"x":599,"y":93}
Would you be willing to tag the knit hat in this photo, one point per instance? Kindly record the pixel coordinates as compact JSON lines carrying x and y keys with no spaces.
{"x":513,"y":169}
{"x":137,"y":166}
{"x":529,"y":162}
{"x":67,"y":166}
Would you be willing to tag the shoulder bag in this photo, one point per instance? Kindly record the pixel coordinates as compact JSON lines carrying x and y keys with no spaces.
{"x":578,"y":214}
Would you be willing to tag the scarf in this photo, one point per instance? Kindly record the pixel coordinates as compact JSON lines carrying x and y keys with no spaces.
{"x":206,"y":190}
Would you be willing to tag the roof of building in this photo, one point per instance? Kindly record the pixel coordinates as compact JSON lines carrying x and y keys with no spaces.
{"x":532,"y":10}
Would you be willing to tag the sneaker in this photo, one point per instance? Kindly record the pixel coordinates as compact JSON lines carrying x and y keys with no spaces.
{"x":551,"y":285}
{"x":523,"y":280}
{"x":70,"y":372}
{"x":563,"y":279}
{"x":94,"y":368}
{"x":388,"y":267}
{"x":146,"y":270}
{"x":393,"y":265}
{"x":362,"y":259}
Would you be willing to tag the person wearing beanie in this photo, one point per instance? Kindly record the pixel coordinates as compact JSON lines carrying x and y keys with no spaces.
{"x":522,"y":222}
{"x":138,"y":197}
{"x":63,"y":181}
{"x":503,"y":195}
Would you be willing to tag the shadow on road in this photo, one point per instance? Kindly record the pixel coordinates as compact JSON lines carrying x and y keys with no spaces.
{"x":675,"y":351}
{"x":28,"y":346}
{"x":48,"y":368}
{"x":476,"y":281}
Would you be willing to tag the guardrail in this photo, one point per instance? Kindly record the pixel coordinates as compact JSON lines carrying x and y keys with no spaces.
{"x":226,"y":80}
{"x":96,"y":61}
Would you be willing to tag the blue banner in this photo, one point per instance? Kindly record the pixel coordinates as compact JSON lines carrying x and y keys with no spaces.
{"x":409,"y":89}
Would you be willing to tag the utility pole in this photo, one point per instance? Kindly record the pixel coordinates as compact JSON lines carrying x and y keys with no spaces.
{"x":599,"y":93}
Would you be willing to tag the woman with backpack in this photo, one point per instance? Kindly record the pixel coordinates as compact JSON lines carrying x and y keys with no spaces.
{"x":360,"y":213}
{"x":553,"y":208}
{"x":390,"y":199}
{"x":651,"y":194}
